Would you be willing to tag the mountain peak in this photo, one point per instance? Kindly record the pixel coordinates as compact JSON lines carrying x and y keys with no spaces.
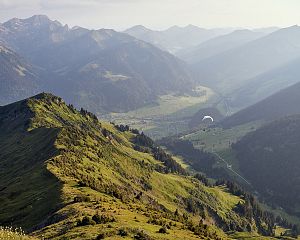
{"x":192,"y":27}
{"x":189,"y":27}
{"x":39,"y":18}
{"x":45,"y":96}
{"x":291,"y":29}
{"x":35,"y":20}
{"x":137,"y":29}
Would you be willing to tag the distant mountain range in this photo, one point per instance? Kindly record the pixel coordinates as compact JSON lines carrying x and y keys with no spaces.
{"x":219,"y":45}
{"x":108,"y":71}
{"x":266,"y":84}
{"x":176,"y":38}
{"x":101,"y":70}
{"x":280,"y":104}
{"x":235,"y":68}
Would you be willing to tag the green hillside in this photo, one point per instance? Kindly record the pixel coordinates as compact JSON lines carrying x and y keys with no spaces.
{"x":65,"y":175}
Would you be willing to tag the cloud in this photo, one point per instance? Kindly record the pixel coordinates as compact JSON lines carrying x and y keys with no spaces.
{"x":15,"y":4}
{"x":54,"y":4}
{"x":157,"y":14}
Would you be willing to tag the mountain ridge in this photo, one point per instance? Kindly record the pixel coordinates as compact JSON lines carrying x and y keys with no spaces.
{"x":280,"y":104}
{"x":231,"y":69}
{"x":99,"y":70}
{"x":101,"y":172}
{"x":218,"y":45}
{"x":175,"y":38}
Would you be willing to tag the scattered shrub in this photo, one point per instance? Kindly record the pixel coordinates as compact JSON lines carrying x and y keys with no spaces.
{"x":122,"y":232}
{"x":141,"y":235}
{"x":86,"y":221}
{"x":81,"y":199}
{"x":100,"y":236}
{"x":163,"y":230}
{"x":101,"y":219}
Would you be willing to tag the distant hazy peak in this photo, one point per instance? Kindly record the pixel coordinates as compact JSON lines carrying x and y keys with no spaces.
{"x":189,"y":27}
{"x":266,"y":30}
{"x":137,"y":30}
{"x":39,"y":19}
{"x":36,"y":20}
{"x":241,"y":31}
{"x":192,"y":26}
{"x":140,"y":29}
{"x":76,"y":28}
{"x":103,"y":33}
{"x":292,"y":30}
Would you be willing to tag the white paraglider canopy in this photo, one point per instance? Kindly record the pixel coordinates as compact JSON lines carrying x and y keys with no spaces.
{"x":207,"y":117}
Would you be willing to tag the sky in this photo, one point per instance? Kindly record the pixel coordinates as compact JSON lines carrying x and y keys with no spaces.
{"x":158,"y":14}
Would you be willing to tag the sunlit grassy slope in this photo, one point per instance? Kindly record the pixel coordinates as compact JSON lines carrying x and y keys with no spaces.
{"x":61,"y":168}
{"x":9,"y":233}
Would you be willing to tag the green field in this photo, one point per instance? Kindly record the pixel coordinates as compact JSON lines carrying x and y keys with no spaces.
{"x":167,"y":116}
{"x":219,"y":139}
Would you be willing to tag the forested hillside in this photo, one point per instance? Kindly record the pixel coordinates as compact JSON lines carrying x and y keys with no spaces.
{"x":269,"y":158}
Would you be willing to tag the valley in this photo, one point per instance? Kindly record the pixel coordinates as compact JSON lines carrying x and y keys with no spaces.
{"x":167,"y":116}
{"x":182,"y":132}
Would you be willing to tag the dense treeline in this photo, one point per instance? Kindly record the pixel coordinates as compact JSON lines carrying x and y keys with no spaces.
{"x":198,"y":159}
{"x":269,"y":158}
{"x":251,"y":209}
{"x":145,"y":144}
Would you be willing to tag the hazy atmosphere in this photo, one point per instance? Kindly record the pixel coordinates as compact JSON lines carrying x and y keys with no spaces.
{"x":149,"y":120}
{"x":158,"y":14}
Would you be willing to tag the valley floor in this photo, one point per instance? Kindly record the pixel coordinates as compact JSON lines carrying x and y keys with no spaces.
{"x":169,"y":116}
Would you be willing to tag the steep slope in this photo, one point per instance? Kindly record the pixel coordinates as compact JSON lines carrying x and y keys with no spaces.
{"x":218,"y":45}
{"x":98,"y":70}
{"x":266,"y":84}
{"x":64,"y":174}
{"x":18,"y":79}
{"x":234,"y":68}
{"x":114,"y":72}
{"x":269,"y":158}
{"x":175,"y":38}
{"x":280,"y":104}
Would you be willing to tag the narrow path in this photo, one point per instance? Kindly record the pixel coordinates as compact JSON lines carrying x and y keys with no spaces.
{"x":229,"y":167}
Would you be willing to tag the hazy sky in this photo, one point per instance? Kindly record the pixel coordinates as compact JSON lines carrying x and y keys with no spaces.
{"x":158,"y":14}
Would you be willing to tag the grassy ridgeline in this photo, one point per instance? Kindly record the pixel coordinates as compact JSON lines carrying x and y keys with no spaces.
{"x":69,"y":175}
